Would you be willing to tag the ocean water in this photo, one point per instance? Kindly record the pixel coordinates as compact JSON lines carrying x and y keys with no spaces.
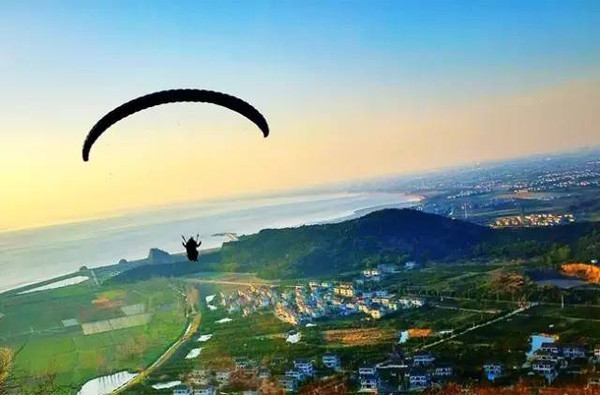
{"x":28,"y":256}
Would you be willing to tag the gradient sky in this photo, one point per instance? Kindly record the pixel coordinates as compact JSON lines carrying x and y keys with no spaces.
{"x":351,"y":90}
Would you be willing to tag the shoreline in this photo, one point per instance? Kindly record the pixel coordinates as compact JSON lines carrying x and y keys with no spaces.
{"x":410,"y":199}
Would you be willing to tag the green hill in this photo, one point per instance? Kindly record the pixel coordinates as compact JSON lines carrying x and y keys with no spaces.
{"x":386,"y":236}
{"x":383,"y":236}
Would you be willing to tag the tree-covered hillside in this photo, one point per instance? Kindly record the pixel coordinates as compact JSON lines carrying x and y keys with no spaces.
{"x":386,"y":236}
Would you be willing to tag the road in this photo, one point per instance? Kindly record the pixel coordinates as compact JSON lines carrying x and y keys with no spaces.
{"x":490,"y":322}
{"x":189,"y":332}
{"x":505,"y":301}
{"x":439,"y":306}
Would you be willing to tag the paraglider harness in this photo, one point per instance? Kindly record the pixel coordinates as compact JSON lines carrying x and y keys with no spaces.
{"x":191,"y":247}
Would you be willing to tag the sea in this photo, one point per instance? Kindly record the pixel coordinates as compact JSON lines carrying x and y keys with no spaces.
{"x":33,"y":255}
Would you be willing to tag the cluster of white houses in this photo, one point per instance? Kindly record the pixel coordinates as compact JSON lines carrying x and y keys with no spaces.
{"x":549,"y":361}
{"x":303,"y":369}
{"x":420,"y":372}
{"x":375,"y":275}
{"x":305,"y":302}
{"x":208,"y":382}
{"x":316,"y":300}
{"x":551,"y":358}
{"x":249,"y":300}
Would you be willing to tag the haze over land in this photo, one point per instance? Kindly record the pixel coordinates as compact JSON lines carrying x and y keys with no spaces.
{"x":365,"y":91}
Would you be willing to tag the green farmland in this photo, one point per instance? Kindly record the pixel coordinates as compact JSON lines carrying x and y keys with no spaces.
{"x":40,"y":328}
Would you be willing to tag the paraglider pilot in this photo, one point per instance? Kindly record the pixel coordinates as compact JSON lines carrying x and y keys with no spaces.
{"x":191,"y":247}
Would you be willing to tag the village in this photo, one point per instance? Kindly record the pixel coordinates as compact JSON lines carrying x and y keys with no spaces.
{"x":398,"y":371}
{"x":397,"y":374}
{"x":303,"y":303}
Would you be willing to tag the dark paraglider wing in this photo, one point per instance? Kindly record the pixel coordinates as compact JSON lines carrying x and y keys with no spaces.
{"x":173,"y":96}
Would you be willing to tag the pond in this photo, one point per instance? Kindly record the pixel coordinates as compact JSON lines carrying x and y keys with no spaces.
{"x":294,"y":338}
{"x":106,"y":384}
{"x":555,"y":278}
{"x":170,"y":384}
{"x":536,"y":342}
{"x":193,"y":353}
{"x":204,"y":338}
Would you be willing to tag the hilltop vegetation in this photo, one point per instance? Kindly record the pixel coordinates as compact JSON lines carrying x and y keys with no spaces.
{"x":386,"y":236}
{"x":395,"y":236}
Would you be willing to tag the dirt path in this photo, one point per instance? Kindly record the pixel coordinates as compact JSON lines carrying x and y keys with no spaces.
{"x":457,"y":308}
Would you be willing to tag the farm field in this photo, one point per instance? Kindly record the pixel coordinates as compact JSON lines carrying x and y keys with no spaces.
{"x":45,"y":330}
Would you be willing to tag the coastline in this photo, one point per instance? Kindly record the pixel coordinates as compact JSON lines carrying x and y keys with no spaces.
{"x":408,"y":200}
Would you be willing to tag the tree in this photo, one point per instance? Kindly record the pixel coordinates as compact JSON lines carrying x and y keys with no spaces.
{"x":510,"y":282}
{"x":6,"y":357}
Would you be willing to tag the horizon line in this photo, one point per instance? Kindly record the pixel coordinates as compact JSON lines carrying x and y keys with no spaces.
{"x":291,"y":191}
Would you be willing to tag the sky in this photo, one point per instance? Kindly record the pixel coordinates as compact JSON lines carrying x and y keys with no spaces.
{"x":351,"y":90}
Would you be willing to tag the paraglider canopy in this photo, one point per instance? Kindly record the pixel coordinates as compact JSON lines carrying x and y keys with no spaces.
{"x":173,"y":96}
